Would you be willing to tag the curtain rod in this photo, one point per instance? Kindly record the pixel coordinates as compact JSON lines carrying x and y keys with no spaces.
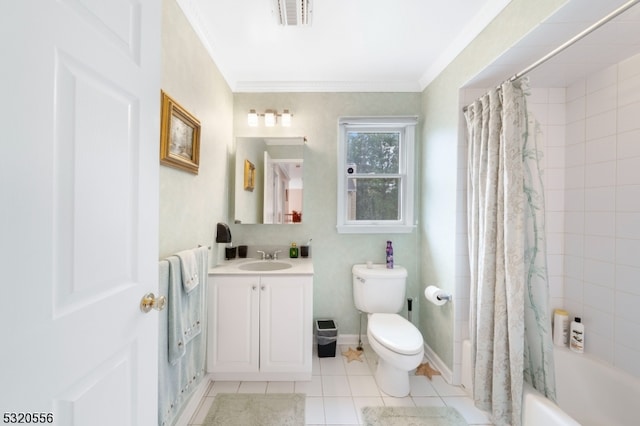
{"x":628,"y":5}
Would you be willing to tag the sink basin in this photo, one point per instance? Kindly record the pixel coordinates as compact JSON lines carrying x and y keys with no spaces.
{"x":264,"y":265}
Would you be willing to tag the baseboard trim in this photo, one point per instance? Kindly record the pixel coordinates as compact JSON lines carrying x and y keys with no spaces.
{"x":438,"y":364}
{"x":192,"y":406}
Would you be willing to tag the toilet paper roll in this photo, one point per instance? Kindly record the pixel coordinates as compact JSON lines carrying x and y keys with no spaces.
{"x":432,"y":292}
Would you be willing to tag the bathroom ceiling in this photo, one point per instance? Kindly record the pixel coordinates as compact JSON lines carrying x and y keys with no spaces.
{"x":351,"y":45}
{"x":609,"y":44}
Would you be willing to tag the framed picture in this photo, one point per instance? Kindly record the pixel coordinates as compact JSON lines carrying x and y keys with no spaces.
{"x":179,"y":137}
{"x":249,"y":175}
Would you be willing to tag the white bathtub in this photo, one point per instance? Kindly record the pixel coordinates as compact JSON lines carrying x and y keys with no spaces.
{"x":589,"y":392}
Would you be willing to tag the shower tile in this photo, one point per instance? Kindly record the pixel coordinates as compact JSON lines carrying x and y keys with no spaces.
{"x":574,"y":200}
{"x":601,"y":79}
{"x":600,"y":248}
{"x":627,"y":250}
{"x":600,"y":174}
{"x":574,"y":177}
{"x":600,"y":223}
{"x":628,"y":145}
{"x":602,"y":100}
{"x":629,"y":91}
{"x":601,"y":125}
{"x":598,"y":297}
{"x":576,"y":110}
{"x":628,"y":68}
{"x":627,"y":173}
{"x":627,"y":277}
{"x":628,"y":225}
{"x":576,"y":90}
{"x":599,"y":150}
{"x":629,"y":333}
{"x":600,"y":199}
{"x":628,"y":117}
{"x":627,"y":306}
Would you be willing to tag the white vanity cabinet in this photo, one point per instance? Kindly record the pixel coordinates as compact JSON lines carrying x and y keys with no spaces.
{"x":260,"y":327}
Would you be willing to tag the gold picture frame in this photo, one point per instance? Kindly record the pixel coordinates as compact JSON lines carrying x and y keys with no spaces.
{"x":179,"y":136}
{"x":249,"y":175}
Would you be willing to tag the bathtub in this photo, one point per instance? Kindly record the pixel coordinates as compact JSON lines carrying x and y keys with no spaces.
{"x":589,"y":392}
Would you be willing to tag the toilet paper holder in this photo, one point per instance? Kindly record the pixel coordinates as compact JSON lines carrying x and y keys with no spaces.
{"x":436,"y":296}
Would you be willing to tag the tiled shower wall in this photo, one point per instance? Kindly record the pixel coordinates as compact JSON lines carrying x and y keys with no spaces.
{"x":602,"y":211}
{"x":591,"y":160}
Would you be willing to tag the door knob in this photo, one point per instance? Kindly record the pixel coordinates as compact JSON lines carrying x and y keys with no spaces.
{"x":150,"y":301}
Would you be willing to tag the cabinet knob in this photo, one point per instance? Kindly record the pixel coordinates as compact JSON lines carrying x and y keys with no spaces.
{"x":253,"y":287}
{"x":261,"y":287}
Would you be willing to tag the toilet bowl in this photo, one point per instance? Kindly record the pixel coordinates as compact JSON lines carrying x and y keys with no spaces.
{"x":379,"y":292}
{"x":399,"y":347}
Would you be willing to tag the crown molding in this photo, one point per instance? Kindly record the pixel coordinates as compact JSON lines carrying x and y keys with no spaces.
{"x":325,"y":86}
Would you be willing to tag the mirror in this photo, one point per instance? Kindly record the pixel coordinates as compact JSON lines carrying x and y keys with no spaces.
{"x":268,"y":180}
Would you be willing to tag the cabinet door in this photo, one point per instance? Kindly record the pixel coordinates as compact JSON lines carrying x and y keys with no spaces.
{"x":233,"y":324}
{"x":286,"y":323}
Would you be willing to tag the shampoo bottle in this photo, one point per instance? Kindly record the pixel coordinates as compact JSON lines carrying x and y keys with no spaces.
{"x":576,"y":337}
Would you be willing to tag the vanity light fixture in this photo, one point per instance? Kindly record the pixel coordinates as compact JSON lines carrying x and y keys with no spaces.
{"x":252,"y":118}
{"x":270,"y":118}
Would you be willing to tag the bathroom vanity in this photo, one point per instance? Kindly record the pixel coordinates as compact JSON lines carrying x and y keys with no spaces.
{"x":260,"y":320}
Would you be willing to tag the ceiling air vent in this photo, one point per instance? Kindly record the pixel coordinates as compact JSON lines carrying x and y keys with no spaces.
{"x":293,"y":12}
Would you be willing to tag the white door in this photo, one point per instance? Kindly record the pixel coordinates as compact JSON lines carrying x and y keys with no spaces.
{"x":79,"y":206}
{"x":269,"y":190}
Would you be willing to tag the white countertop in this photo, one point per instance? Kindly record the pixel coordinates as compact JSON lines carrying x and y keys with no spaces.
{"x":300,"y":266}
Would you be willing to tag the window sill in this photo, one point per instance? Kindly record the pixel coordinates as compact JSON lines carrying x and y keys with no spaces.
{"x":375,"y":229}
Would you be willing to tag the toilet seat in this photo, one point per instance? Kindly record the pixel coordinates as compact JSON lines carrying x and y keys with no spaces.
{"x":395,"y":333}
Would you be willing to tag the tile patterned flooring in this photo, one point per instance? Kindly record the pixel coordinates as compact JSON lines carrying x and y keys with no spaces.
{"x":339,"y":389}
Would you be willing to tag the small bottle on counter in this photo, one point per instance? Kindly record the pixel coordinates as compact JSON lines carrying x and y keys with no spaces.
{"x":293,"y":251}
{"x":576,"y":337}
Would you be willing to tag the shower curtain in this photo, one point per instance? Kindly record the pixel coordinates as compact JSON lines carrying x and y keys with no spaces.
{"x":509,"y":310}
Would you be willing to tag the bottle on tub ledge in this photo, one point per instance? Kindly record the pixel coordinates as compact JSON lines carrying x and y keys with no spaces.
{"x":389,"y":255}
{"x":576,"y":337}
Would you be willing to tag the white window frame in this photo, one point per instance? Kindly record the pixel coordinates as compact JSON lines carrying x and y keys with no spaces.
{"x":407,"y":128}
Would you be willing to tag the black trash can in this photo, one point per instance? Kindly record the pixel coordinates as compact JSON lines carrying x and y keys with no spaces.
{"x":327,"y":336}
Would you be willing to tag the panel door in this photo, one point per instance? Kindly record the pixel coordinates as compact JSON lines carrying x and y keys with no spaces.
{"x":233,"y":324}
{"x":78,"y":221}
{"x":286,"y":324}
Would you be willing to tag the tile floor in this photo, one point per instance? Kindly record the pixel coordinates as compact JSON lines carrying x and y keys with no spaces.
{"x":338,"y":389}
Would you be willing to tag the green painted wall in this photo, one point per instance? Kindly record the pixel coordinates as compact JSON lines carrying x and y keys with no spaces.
{"x":442,"y":121}
{"x":316,"y":117}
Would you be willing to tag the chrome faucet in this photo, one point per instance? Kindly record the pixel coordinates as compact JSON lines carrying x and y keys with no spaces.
{"x":269,"y":256}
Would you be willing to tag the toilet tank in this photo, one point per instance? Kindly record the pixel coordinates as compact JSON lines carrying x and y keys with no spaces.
{"x":377,"y":289}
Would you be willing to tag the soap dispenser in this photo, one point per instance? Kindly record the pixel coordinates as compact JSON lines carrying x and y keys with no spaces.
{"x":293,"y":251}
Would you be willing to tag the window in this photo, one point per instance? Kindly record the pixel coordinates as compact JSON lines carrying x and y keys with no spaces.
{"x":376,"y":175}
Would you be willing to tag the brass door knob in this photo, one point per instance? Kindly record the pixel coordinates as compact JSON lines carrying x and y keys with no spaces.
{"x":150,"y":301}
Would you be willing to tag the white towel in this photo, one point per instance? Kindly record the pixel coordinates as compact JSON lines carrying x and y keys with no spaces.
{"x":189,"y":267}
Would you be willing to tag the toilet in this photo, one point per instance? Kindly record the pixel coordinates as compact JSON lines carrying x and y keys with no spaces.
{"x":380,"y":292}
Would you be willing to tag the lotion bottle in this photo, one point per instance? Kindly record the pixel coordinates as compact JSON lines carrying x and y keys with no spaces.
{"x":293,"y":251}
{"x":576,"y":337}
{"x":561,"y":327}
